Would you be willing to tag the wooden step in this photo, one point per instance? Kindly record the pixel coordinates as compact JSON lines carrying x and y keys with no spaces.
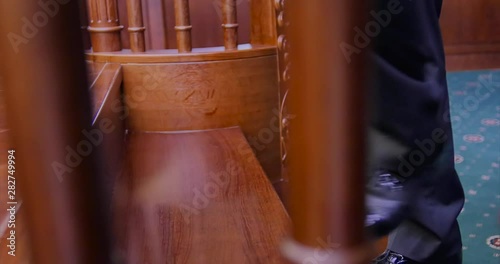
{"x":196,"y":197}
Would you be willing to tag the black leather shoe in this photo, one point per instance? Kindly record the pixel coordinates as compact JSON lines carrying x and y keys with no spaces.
{"x":389,"y":257}
{"x":386,"y":203}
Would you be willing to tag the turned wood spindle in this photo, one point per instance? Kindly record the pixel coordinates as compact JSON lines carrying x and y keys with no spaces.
{"x":183,"y":25}
{"x":326,"y":137}
{"x":48,"y":101}
{"x":230,"y":24}
{"x":104,"y":26}
{"x":136,"y":26}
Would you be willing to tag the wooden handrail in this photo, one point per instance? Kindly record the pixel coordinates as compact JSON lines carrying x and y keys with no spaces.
{"x":230,"y":24}
{"x":183,"y":25}
{"x":136,"y":26}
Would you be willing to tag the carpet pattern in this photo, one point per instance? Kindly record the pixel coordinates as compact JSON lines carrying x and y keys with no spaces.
{"x":475,"y":115}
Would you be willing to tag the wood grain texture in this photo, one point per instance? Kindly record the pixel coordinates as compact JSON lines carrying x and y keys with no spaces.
{"x":172,"y":55}
{"x":471,"y":34}
{"x":183,"y":26}
{"x":327,"y":136}
{"x":196,"y":197}
{"x":475,"y":61}
{"x":263,"y":22}
{"x":465,"y":22}
{"x":49,"y":107}
{"x":194,"y":96}
{"x":230,"y":24}
{"x":93,"y":70}
{"x":136,"y":26}
{"x":104,"y":25}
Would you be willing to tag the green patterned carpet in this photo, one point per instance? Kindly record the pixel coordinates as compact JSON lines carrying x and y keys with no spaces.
{"x":475,"y":111}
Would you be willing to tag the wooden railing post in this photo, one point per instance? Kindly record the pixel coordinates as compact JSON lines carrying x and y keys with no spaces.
{"x":230,"y":24}
{"x":326,"y":143}
{"x":136,"y":26}
{"x":49,"y":113}
{"x":104,"y":26}
{"x":183,"y":25}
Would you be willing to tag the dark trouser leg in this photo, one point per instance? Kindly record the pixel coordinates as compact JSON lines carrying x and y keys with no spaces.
{"x":412,"y":108}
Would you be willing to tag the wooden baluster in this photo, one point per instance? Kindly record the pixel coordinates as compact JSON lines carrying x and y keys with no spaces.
{"x":327,"y":134}
{"x":136,"y":26}
{"x":104,"y":25}
{"x":49,"y":108}
{"x":183,"y":25}
{"x":230,"y":24}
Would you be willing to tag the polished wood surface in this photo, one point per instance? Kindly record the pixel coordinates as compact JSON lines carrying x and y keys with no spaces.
{"x":263,"y":22}
{"x":183,"y":25}
{"x":172,"y":55}
{"x":136,"y":26}
{"x":327,"y":135}
{"x":94,"y":69}
{"x":104,"y":25}
{"x":471,"y":34}
{"x":230,"y":24}
{"x":193,"y":96}
{"x":49,"y":107}
{"x":473,"y":61}
{"x":196,"y":197}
